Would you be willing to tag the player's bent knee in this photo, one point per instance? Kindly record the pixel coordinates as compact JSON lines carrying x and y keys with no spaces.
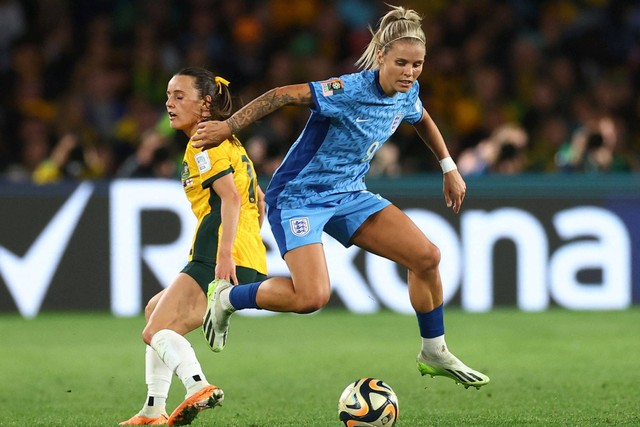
{"x":434,"y":256}
{"x":308,"y":308}
{"x":427,"y":260}
{"x":312,"y":303}
{"x":146,"y":336}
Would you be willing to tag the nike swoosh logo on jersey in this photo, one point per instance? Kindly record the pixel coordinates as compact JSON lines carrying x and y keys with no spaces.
{"x":359,"y":120}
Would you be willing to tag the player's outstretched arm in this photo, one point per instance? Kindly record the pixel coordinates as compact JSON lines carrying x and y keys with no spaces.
{"x":212,"y":133}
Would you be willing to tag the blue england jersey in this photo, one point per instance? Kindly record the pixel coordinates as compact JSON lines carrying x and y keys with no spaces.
{"x":350,"y":120}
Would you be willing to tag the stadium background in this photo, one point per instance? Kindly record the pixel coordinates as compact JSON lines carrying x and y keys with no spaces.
{"x":538,"y":101}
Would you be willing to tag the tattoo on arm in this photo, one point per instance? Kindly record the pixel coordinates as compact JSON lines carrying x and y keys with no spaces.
{"x":267,"y":103}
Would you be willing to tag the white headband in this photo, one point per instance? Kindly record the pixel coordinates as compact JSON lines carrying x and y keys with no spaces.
{"x":403,"y":37}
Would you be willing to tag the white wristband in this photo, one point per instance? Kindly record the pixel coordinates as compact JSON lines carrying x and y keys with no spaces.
{"x":447,"y":164}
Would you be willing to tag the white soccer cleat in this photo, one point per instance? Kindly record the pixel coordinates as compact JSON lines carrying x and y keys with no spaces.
{"x":451,"y":367}
{"x":215,"y":324}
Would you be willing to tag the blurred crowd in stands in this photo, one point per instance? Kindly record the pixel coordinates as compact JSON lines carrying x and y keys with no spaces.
{"x":515,"y":85}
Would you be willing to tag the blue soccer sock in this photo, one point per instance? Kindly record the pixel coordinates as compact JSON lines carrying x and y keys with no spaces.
{"x":431,"y":324}
{"x":244,"y":296}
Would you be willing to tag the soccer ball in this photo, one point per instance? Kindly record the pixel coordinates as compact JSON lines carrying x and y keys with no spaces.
{"x":368,"y":402}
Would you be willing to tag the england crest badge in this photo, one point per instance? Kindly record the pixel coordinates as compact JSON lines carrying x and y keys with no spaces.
{"x":299,"y":226}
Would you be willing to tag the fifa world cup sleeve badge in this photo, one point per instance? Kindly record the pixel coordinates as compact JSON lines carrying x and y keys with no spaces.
{"x":332,"y":87}
{"x":203,"y":161}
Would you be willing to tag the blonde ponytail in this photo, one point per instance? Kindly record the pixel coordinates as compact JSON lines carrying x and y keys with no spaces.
{"x":399,"y":23}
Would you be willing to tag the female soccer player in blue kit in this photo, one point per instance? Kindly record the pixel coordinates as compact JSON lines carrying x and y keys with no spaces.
{"x":320,"y":187}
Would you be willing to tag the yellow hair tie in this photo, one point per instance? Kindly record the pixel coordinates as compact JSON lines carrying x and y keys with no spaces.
{"x":219,"y":82}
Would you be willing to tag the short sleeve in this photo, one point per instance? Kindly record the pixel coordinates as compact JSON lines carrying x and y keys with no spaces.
{"x":213,"y":164}
{"x":330,"y":95}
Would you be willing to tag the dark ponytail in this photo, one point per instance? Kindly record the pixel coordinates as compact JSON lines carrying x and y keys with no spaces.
{"x":207,"y":83}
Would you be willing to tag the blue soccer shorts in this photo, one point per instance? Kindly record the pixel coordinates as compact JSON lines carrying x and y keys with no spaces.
{"x":340,"y":216}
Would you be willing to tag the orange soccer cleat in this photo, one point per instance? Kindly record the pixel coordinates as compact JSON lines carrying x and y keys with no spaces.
{"x":141,"y":420}
{"x":207,"y":398}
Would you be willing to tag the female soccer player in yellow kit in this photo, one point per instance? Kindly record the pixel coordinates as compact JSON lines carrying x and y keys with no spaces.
{"x":221,"y":186}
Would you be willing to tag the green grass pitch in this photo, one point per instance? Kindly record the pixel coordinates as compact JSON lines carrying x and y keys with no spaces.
{"x":555,"y":368}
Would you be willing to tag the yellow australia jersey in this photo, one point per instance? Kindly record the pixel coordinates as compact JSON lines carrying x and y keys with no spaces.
{"x":199,"y":170}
